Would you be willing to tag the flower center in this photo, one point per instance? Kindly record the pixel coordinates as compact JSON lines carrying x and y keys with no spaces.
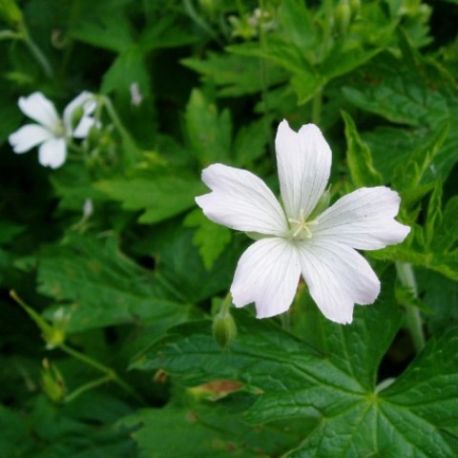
{"x":300,"y":228}
{"x":59,"y":129}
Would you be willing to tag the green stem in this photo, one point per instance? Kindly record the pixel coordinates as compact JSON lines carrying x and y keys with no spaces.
{"x":46,"y":328}
{"x":10,"y":35}
{"x":102,"y":368}
{"x":128,"y":141}
{"x":36,"y":51}
{"x":406,"y":276}
{"x":86,"y":387}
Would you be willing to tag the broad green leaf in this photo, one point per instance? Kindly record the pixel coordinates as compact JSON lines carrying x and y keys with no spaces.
{"x":297,"y":25}
{"x":73,"y":186}
{"x":159,"y":197}
{"x":410,"y":174}
{"x":440,"y":295}
{"x":180,"y":267}
{"x":236,"y":75}
{"x":402,"y":94}
{"x":407,"y":92}
{"x":110,"y":30}
{"x":432,"y":245}
{"x":50,"y":431}
{"x":210,"y":238}
{"x":99,"y":286}
{"x":250,"y":142}
{"x":127,"y":69}
{"x":359,"y":157}
{"x":165,"y":33}
{"x":208,"y":132}
{"x":204,"y":431}
{"x":336,"y":387}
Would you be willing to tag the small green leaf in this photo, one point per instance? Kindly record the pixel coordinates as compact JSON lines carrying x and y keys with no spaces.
{"x":236,"y":75}
{"x":159,"y":197}
{"x":127,"y":69}
{"x":359,"y":157}
{"x":210,"y":238}
{"x":108,"y":29}
{"x":208,"y":131}
{"x":251,"y":141}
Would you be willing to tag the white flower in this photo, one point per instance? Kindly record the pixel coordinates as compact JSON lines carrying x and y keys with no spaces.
{"x":320,"y":248}
{"x":52,"y":133}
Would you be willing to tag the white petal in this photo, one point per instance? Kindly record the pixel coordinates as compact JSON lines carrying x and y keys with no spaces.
{"x":52,"y":153}
{"x":242,"y":201}
{"x":363,"y":219}
{"x":304,"y":163}
{"x":40,"y":109}
{"x":83,"y":127}
{"x":337,"y":277}
{"x":27,"y":137}
{"x":86,"y":101}
{"x":267,"y":274}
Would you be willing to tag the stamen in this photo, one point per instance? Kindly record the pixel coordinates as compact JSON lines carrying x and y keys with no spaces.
{"x":301,"y":227}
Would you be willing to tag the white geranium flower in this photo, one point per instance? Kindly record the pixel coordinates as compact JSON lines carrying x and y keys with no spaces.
{"x":52,"y":133}
{"x":321,"y":248}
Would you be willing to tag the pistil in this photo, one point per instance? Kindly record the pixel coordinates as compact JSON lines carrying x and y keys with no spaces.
{"x":301,"y":227}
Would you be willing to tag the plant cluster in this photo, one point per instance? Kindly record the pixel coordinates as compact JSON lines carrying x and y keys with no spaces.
{"x":118,"y":337}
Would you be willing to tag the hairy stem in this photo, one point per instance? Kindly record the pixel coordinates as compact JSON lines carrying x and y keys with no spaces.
{"x":46,"y":327}
{"x":87,"y":387}
{"x":406,"y":276}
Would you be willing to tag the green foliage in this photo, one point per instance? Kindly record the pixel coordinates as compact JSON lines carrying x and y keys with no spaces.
{"x":359,"y":157}
{"x":160,"y":197}
{"x":208,"y":131}
{"x":99,"y":286}
{"x":331,"y":383}
{"x":210,"y":238}
{"x":113,"y":339}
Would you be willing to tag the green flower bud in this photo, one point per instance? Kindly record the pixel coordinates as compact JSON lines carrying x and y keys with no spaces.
{"x":10,"y":12}
{"x":224,"y":328}
{"x":52,"y":382}
{"x":343,"y":16}
{"x":54,"y":337}
{"x":355,"y":6}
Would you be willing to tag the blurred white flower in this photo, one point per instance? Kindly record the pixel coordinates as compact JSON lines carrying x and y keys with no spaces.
{"x":88,"y":209}
{"x":293,"y":239}
{"x":51,"y":133}
{"x":136,"y":97}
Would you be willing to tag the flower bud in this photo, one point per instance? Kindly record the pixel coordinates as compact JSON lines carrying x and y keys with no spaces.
{"x":343,"y":16}
{"x":52,"y":382}
{"x":224,"y":328}
{"x":54,"y":337}
{"x":355,"y":6}
{"x":10,"y":12}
